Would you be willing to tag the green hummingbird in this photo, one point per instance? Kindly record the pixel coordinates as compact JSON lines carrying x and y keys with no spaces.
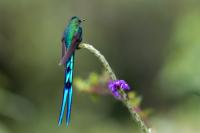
{"x":72,"y":37}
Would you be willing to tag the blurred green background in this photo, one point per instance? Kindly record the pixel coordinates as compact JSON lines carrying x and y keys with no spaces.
{"x":153,"y":45}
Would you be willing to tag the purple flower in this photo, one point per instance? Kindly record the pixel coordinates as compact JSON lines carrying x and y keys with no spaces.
{"x":114,"y":87}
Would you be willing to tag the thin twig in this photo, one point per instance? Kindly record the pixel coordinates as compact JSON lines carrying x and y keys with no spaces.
{"x":125,"y":99}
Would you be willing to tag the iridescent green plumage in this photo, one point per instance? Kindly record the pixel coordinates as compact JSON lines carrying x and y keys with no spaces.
{"x":71,"y":38}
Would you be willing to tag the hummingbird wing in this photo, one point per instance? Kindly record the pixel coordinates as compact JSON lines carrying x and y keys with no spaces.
{"x":63,"y":47}
{"x":75,"y":42}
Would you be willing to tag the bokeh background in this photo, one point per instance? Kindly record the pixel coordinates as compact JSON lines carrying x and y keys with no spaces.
{"x":153,"y":45}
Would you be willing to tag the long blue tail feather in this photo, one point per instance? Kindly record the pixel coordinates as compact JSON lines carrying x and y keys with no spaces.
{"x":69,"y":104}
{"x":64,"y":100}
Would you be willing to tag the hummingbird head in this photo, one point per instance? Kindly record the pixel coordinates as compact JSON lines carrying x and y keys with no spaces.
{"x":76,"y":20}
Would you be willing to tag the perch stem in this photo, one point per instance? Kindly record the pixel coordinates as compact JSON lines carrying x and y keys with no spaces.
{"x":125,"y":99}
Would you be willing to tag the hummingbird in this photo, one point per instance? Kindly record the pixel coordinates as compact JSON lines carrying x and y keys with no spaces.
{"x":71,"y":39}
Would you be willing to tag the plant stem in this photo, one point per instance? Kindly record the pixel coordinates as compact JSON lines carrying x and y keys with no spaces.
{"x":125,"y":99}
